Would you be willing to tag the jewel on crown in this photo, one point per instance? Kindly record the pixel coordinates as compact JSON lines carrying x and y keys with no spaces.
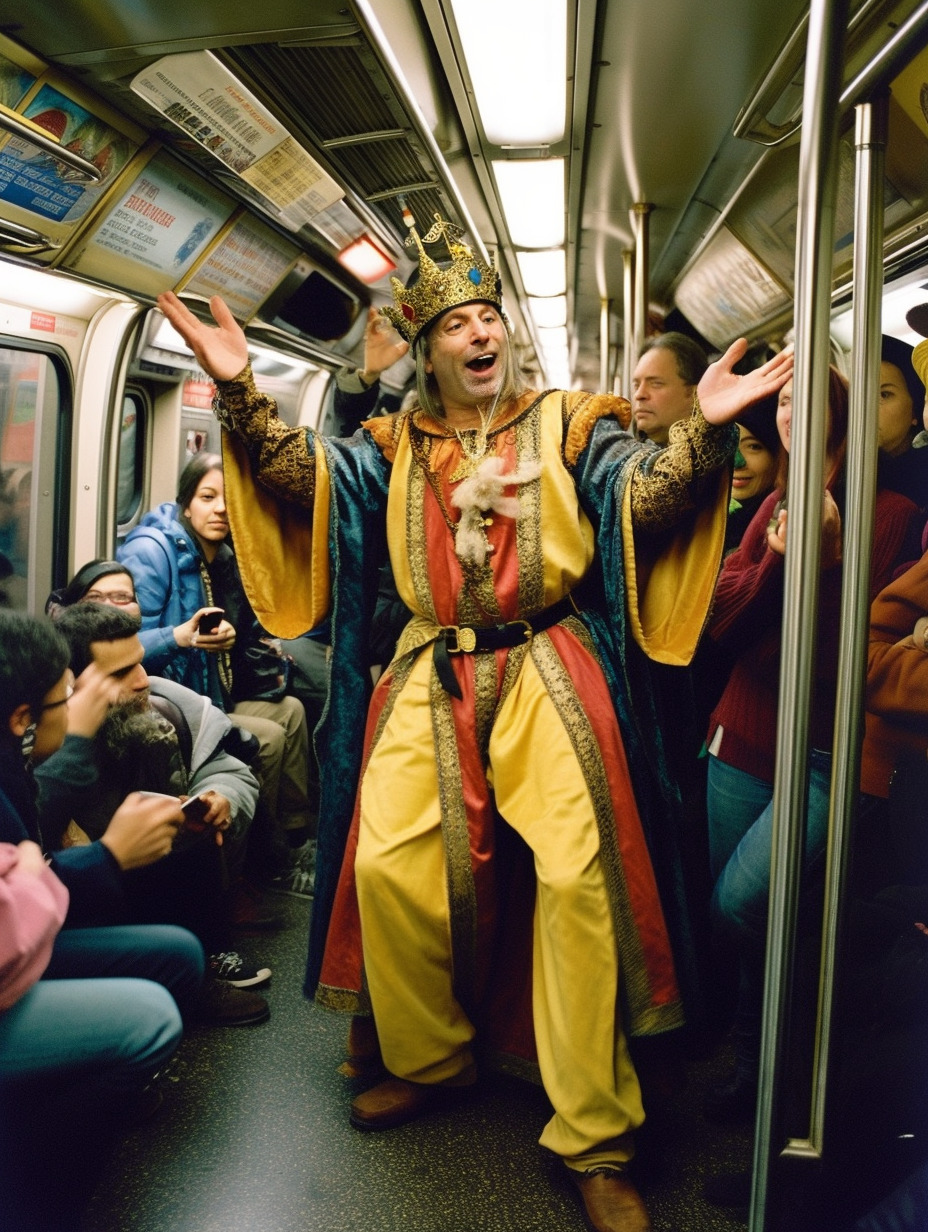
{"x":463,"y":280}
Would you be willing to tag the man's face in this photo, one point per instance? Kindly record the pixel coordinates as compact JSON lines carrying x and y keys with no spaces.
{"x":122,"y":661}
{"x":467,"y":349}
{"x":660,"y":395}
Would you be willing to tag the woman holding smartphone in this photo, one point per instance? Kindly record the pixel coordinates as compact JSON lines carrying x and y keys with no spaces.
{"x":198,"y":628}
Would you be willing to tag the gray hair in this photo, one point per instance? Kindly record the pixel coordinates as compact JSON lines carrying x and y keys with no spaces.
{"x":512,"y":385}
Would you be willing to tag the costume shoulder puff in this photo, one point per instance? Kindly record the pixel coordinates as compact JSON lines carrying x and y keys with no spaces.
{"x":385,"y":430}
{"x":581,"y":411}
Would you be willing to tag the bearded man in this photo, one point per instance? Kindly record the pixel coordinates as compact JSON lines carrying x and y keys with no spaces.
{"x":137,"y":748}
{"x":538,"y":545}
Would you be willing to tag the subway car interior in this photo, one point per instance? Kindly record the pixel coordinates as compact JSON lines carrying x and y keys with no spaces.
{"x":723,"y":170}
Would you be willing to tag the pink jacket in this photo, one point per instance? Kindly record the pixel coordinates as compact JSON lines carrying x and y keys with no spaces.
{"x":32,"y":910}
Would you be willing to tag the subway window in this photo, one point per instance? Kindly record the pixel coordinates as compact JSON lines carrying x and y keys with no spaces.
{"x":130,"y":461}
{"x":32,"y":526}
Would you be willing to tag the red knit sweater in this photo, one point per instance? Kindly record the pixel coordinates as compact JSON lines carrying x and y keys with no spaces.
{"x":746,"y":619}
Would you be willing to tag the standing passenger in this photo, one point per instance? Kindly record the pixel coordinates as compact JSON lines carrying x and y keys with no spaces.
{"x":522,"y":528}
{"x":747,"y":620}
{"x":664,"y":382}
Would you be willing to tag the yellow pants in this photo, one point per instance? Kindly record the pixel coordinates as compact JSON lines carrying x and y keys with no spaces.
{"x":402,"y":892}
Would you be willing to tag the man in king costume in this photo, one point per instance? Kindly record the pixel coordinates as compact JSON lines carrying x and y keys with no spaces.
{"x":541,"y":549}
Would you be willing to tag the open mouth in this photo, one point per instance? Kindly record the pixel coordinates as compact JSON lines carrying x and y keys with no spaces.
{"x":482,"y":363}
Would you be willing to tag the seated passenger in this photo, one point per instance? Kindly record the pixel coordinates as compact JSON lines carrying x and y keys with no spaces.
{"x":184,"y":568}
{"x":77,"y":1046}
{"x":173,"y":747}
{"x":747,"y":618}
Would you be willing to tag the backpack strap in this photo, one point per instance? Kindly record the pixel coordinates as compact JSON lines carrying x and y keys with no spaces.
{"x":178,"y":720}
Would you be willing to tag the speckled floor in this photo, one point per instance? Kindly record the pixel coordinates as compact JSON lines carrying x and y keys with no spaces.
{"x":254,"y":1137}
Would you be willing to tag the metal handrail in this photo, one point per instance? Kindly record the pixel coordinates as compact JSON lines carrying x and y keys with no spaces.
{"x":752,"y":123}
{"x":862,"y":441}
{"x":25,"y":237}
{"x":815,"y":244}
{"x":86,"y":170}
{"x":890,"y":59}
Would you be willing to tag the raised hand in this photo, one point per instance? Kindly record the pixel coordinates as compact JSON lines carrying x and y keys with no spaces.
{"x":382,"y":346}
{"x":222,"y":351}
{"x":723,"y":395}
{"x":94,"y":693}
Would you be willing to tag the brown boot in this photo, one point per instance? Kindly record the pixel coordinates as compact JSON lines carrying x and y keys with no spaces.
{"x":611,"y":1202}
{"x":363,"y":1059}
{"x":396,"y":1101}
{"x":391,"y":1103}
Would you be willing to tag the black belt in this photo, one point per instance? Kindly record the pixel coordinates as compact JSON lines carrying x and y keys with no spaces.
{"x":466,"y":639}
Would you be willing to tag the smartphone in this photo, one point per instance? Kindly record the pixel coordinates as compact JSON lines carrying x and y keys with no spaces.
{"x":195,"y":810}
{"x":210,"y":621}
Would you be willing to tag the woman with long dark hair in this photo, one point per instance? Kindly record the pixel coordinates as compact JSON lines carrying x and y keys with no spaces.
{"x":185,"y":573}
{"x":747,"y":620}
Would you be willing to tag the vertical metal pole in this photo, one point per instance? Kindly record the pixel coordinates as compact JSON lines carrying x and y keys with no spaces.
{"x":628,"y":323}
{"x":862,"y":439}
{"x":605,"y":384}
{"x":641,"y":211}
{"x":814,"y":254}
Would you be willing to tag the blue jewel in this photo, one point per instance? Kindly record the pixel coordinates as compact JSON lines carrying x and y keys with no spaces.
{"x":474,"y":275}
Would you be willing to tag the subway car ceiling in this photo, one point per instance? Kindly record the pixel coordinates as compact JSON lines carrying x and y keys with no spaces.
{"x":304,"y":140}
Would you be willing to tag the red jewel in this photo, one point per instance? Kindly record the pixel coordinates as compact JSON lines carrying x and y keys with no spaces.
{"x":408,"y":311}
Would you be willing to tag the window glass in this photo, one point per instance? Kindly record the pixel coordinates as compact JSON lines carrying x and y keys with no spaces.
{"x":130,"y":458}
{"x":29,"y":398}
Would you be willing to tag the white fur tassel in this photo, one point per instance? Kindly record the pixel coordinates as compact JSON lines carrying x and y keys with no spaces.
{"x":484,"y":492}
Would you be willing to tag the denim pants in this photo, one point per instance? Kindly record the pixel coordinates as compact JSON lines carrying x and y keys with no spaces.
{"x":73,"y":1051}
{"x":740,"y":809}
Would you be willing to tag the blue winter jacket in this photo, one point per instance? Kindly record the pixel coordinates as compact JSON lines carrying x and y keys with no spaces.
{"x":164,"y":561}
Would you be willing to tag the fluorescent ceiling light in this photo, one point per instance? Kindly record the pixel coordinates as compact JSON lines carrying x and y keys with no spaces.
{"x":543,"y":273}
{"x":366,"y":261}
{"x":516,"y":53}
{"x":549,"y":313}
{"x":532,"y":193}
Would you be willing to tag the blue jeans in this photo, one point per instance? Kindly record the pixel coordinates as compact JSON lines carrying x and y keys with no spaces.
{"x":740,"y":809}
{"x":74,"y":1049}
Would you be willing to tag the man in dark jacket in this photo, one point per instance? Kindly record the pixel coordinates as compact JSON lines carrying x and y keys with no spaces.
{"x":137,"y":748}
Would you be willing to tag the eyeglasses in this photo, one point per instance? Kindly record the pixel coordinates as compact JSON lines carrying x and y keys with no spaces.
{"x":119,"y":597}
{"x":64,"y":700}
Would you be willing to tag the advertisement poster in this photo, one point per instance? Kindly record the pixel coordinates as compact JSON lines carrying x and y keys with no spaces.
{"x":37,"y":182}
{"x":164,"y":221}
{"x":203,"y":99}
{"x":15,"y":82}
{"x":244,"y":268}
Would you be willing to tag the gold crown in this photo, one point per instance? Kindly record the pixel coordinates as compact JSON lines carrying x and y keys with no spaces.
{"x":439,"y":288}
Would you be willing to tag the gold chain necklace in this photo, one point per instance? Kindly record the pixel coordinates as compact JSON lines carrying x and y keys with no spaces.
{"x":473,"y":454}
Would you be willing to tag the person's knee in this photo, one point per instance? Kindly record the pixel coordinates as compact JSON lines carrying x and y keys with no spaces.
{"x":152,"y":1026}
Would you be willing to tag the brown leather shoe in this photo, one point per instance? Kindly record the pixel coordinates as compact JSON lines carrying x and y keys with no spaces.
{"x":396,"y":1101}
{"x":391,"y":1103}
{"x":611,"y":1202}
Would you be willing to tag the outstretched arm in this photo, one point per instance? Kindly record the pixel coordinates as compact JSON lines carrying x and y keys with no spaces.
{"x":723,"y":395}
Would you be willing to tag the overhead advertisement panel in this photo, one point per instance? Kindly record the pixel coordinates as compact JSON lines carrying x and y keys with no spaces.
{"x":37,"y":190}
{"x":244,"y":267}
{"x":203,"y":99}
{"x":727,"y":290}
{"x":156,"y":230}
